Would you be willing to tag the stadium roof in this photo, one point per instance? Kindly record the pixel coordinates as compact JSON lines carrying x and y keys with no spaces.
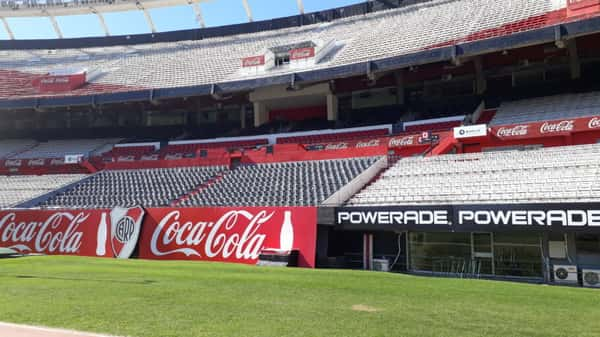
{"x":54,"y":8}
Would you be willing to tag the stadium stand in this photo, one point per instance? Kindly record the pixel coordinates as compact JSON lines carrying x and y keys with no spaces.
{"x":557,"y":174}
{"x":17,"y":189}
{"x":413,"y":27}
{"x":306,"y":183}
{"x":60,"y":148}
{"x":548,"y":108}
{"x":12,"y":147}
{"x":147,"y":187}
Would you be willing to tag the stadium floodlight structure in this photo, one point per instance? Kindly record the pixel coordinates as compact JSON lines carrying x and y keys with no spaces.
{"x":53,"y":8}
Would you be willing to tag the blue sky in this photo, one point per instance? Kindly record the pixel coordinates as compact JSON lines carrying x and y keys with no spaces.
{"x":215,"y":13}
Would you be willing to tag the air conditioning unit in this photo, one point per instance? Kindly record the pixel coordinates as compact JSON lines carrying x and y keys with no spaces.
{"x":591,"y":278}
{"x":565,"y":274}
{"x":381,"y":265}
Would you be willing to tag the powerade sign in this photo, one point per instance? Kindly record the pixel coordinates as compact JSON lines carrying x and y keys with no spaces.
{"x":541,"y":217}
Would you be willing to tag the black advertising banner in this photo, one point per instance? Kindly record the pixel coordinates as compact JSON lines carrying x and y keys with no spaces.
{"x":572,"y":217}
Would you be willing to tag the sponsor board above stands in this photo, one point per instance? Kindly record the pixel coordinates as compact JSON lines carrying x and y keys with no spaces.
{"x":212,"y":234}
{"x":547,"y":128}
{"x":471,"y":131}
{"x":388,"y":142}
{"x":575,"y":217}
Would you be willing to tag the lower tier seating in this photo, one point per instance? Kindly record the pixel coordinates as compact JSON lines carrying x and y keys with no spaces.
{"x":18,"y":189}
{"x":146,"y":187}
{"x":556,"y":174}
{"x":306,"y":183}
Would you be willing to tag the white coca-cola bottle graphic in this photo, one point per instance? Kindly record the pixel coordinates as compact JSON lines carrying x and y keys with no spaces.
{"x":102,"y":235}
{"x":286,"y":236}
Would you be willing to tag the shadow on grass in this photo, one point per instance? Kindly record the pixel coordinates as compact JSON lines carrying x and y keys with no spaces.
{"x":78,"y":279}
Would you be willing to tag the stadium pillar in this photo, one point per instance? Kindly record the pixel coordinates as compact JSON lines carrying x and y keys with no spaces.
{"x":102,"y":22}
{"x":574,"y":64}
{"x":367,"y":251}
{"x":332,"y":107}
{"x":199,"y":16}
{"x":399,"y":77}
{"x":7,"y":28}
{"x":56,"y":26}
{"x":243,"y":116}
{"x":261,"y":114}
{"x":480,"y":82}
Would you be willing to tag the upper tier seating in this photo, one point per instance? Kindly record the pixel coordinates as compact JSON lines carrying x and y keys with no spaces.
{"x":548,"y":108}
{"x":557,"y":174}
{"x":193,"y":147}
{"x":60,"y":148}
{"x":333,"y":137}
{"x":14,"y":146}
{"x":411,"y":28}
{"x":18,"y":189}
{"x":307,"y":183}
{"x":146,"y":187}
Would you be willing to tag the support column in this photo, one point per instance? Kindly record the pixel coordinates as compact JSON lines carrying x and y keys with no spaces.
{"x":199,"y":16}
{"x":574,"y":64}
{"x":59,"y":33}
{"x":480,"y":82}
{"x":7,"y":28}
{"x":367,"y":251}
{"x":102,"y":22}
{"x":332,"y":107}
{"x":243,"y":116}
{"x":399,"y":77}
{"x":261,"y":114}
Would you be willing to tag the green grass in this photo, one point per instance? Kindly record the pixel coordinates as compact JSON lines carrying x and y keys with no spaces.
{"x":154,"y":298}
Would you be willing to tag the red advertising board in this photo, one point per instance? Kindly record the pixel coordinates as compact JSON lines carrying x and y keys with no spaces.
{"x":302,"y":53}
{"x":60,"y":83}
{"x":253,"y":61}
{"x":211,"y":234}
{"x":546,"y":129}
{"x":228,"y":234}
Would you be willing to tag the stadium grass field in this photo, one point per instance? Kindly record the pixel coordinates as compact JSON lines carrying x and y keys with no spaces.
{"x":155,"y":298}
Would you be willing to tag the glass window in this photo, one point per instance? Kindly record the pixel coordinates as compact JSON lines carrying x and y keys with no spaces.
{"x":517,"y":254}
{"x":440,"y":252}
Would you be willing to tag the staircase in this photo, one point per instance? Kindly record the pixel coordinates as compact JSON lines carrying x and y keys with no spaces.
{"x":198,"y":189}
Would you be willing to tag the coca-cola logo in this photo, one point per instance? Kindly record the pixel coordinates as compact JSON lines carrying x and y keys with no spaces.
{"x":517,"y":130}
{"x":370,"y":143}
{"x":36,"y":162}
{"x":59,"y":233}
{"x":562,"y":126}
{"x":236,"y":234}
{"x":253,"y":61}
{"x":404,"y":141}
{"x":302,"y":53}
{"x":12,"y":162}
{"x":336,"y":146}
{"x":55,"y":80}
{"x":594,"y":123}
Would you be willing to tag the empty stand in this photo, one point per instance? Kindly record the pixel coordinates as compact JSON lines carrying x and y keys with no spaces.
{"x":548,"y":108}
{"x":18,"y":189}
{"x":146,"y":187}
{"x":558,"y":174}
{"x":306,"y":183}
{"x":414,"y":27}
{"x":60,"y":148}
{"x":15,"y":146}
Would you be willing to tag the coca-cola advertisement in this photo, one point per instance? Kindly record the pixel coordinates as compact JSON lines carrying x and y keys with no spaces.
{"x":50,"y":232}
{"x":228,"y":234}
{"x":547,"y":128}
{"x":211,"y":234}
